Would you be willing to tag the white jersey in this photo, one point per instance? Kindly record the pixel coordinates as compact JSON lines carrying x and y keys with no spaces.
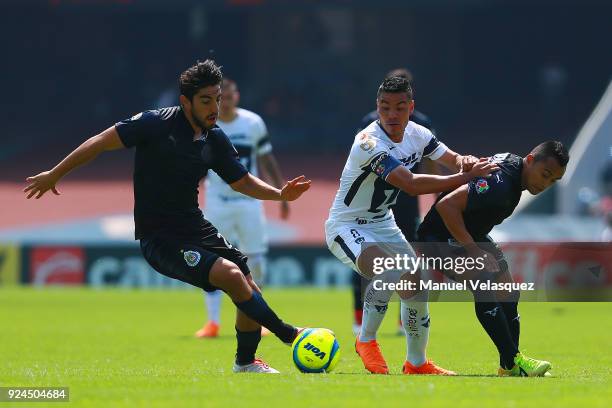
{"x":249,"y":135}
{"x":364,"y":196}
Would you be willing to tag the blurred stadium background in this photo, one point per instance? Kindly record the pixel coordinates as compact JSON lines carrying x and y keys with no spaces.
{"x":493,"y":75}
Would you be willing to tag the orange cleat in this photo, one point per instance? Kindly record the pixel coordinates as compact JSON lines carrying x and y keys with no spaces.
{"x":210,"y":329}
{"x":428,"y":368}
{"x":372,"y":357}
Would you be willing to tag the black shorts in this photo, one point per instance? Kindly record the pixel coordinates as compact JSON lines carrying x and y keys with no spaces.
{"x":432,"y":246}
{"x":189,"y":259}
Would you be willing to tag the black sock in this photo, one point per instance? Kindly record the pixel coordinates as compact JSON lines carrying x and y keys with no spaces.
{"x":257,"y":309}
{"x":247,"y":346}
{"x":514,"y":321}
{"x":493,"y":320}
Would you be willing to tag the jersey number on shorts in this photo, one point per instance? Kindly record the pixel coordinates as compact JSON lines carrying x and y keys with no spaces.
{"x":384,"y":193}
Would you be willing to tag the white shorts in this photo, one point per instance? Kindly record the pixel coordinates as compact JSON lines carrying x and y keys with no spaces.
{"x":241,"y":221}
{"x":345,"y":240}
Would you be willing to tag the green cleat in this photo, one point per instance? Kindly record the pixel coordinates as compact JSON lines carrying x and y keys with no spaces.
{"x":526,"y":367}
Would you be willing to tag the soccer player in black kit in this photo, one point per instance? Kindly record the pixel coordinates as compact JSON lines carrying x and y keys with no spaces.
{"x":175,"y":147}
{"x":458,"y":226}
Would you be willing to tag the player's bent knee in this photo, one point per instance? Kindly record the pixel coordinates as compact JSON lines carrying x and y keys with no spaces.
{"x":226,"y":274}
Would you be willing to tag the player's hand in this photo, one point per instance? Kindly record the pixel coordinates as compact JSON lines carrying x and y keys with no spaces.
{"x":482,"y":168}
{"x":490,"y":263}
{"x":488,"y":259}
{"x":284,"y":210}
{"x":40,"y":184}
{"x":295,"y":188}
{"x":467,"y":162}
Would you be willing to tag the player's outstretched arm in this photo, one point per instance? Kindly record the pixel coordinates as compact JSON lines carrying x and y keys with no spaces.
{"x":457,"y":162}
{"x":257,"y":188}
{"x":416,"y":184}
{"x":87,"y":151}
{"x":451,"y":209}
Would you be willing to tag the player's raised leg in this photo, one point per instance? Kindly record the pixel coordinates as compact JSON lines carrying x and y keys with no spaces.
{"x":227,"y":276}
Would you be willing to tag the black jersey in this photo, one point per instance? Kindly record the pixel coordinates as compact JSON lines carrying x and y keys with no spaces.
{"x":168,"y":168}
{"x":490,"y":201}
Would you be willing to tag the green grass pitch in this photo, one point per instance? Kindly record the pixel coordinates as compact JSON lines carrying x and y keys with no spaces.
{"x":125,"y":348}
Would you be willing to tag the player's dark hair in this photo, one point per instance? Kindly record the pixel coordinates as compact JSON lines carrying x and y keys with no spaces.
{"x":395,"y":84}
{"x":551,"y":148}
{"x":400,"y":72}
{"x":199,"y":76}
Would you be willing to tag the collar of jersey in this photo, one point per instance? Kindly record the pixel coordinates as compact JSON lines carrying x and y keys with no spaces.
{"x":387,"y":135}
{"x":186,"y":130}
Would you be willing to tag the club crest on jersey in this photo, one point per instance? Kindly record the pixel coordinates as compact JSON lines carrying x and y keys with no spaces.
{"x":482,"y":186}
{"x":367,"y":144}
{"x":192,"y":257}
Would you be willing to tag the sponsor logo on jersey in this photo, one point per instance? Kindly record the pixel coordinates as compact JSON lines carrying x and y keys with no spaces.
{"x":482,"y":186}
{"x":367,"y":144}
{"x":192,"y":257}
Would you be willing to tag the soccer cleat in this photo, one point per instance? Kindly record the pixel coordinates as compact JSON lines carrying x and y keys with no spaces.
{"x":257,"y":366}
{"x":526,"y":367}
{"x":427,"y":368}
{"x":372,"y":357}
{"x":210,"y":329}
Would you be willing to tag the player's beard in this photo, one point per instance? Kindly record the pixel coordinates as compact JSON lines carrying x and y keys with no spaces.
{"x":202,"y":123}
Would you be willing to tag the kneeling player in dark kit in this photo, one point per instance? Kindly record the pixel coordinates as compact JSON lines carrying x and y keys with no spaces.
{"x":458,"y":226}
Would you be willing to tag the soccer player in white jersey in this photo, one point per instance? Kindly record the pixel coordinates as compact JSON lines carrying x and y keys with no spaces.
{"x":239,"y":218}
{"x":360,"y":222}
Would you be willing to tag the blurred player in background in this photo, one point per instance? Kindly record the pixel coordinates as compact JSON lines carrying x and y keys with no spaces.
{"x":377,"y":168}
{"x":458,"y":226}
{"x":175,"y":147}
{"x":406,"y":208}
{"x":238,"y":217}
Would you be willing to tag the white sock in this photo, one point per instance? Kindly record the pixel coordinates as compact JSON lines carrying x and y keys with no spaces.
{"x":257,"y":266}
{"x":375,"y":304}
{"x":213,"y":305}
{"x":415,"y":320}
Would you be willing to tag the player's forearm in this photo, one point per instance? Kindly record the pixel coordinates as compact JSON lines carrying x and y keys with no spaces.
{"x":453,"y":219}
{"x":451,"y":160}
{"x":254,"y":187}
{"x":273,"y":171}
{"x":428,"y":183}
{"x":87,"y":151}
